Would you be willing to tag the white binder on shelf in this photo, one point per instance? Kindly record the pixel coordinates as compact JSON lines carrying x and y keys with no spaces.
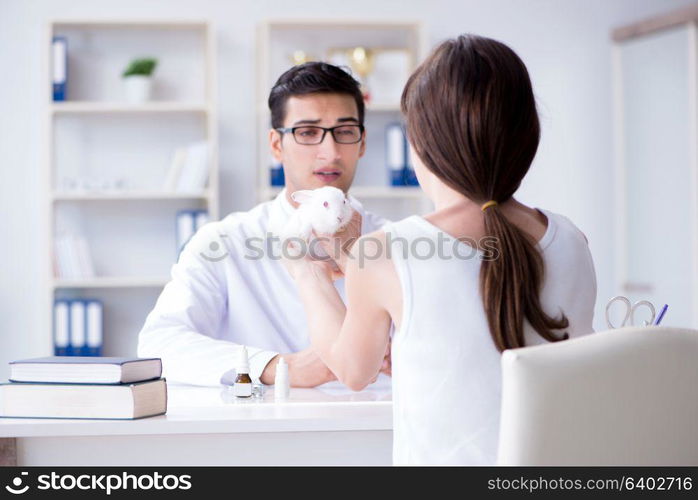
{"x":61,"y":327}
{"x":185,"y":228}
{"x":396,"y":153}
{"x":60,"y":68}
{"x":78,"y":332}
{"x":200,"y":218}
{"x":188,"y":223}
{"x":94,"y":324}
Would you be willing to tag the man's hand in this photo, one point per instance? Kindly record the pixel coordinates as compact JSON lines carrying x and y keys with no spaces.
{"x":387,"y":366}
{"x":305,"y":369}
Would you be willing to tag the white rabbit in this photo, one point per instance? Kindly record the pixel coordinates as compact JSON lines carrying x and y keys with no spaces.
{"x":324,"y":210}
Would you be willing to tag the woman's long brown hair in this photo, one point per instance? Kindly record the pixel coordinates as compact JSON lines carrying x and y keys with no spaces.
{"x":472,"y":120}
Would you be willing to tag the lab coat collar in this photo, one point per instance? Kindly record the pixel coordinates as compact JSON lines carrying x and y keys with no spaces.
{"x":284,"y":203}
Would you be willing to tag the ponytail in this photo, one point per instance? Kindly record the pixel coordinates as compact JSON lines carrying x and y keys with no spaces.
{"x":510,"y":286}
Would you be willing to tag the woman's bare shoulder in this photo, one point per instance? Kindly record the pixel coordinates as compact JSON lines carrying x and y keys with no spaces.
{"x":371,"y":246}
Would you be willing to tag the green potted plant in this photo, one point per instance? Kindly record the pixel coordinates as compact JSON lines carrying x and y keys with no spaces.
{"x":138,"y":79}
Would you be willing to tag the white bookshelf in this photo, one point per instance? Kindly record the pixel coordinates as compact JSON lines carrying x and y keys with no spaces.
{"x":278,"y":39}
{"x":96,"y":134}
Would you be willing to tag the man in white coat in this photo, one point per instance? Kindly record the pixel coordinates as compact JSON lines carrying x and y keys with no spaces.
{"x":229,"y":287}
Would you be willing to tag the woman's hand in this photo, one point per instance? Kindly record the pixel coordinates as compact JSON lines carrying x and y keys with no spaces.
{"x":337,"y":245}
{"x":300,"y":265}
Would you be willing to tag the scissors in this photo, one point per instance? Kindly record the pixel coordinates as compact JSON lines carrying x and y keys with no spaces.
{"x":629,"y":311}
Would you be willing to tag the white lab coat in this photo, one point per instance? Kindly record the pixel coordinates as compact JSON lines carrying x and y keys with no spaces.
{"x":226,"y":292}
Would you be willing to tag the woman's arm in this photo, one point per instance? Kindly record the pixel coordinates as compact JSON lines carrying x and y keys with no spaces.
{"x":350,"y":340}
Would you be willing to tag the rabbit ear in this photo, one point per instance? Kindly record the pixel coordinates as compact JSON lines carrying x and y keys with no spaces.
{"x":302,"y":196}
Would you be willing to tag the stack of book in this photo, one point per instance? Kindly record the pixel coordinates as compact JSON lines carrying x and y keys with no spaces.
{"x":84,"y":387}
{"x":189,"y":169}
{"x":72,"y":257}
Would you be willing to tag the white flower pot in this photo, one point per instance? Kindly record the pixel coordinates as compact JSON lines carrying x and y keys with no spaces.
{"x":138,"y":88}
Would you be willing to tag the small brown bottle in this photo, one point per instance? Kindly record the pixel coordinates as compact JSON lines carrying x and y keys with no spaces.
{"x":243,"y":383}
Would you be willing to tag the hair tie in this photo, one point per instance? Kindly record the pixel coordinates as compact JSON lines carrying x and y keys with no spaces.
{"x":489,"y":204}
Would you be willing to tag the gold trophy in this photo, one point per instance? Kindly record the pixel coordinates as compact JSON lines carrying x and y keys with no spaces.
{"x":299,"y":57}
{"x":361,"y":61}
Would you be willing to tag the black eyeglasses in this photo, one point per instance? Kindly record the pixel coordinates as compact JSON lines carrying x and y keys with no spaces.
{"x":311,"y":135}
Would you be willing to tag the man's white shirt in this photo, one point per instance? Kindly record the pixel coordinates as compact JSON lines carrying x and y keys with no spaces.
{"x":230,"y":288}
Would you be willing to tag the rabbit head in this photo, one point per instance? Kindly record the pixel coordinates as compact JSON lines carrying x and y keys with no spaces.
{"x":326,"y":208}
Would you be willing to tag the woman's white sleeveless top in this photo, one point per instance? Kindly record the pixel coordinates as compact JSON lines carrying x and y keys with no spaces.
{"x":446,"y":368}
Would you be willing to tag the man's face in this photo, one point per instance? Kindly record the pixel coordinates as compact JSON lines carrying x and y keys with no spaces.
{"x":324,"y":164}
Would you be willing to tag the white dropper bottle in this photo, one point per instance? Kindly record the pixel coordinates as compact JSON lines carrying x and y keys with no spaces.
{"x":282,"y":387}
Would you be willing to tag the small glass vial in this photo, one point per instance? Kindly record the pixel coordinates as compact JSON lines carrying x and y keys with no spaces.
{"x":242,"y":388}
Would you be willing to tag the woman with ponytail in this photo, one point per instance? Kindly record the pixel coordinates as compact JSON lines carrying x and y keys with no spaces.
{"x":481,"y":274}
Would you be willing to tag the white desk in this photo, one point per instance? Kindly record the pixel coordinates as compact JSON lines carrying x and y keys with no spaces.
{"x":330,"y":425}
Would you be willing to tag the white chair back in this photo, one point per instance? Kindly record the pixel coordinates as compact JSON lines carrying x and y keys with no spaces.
{"x":619,"y":397}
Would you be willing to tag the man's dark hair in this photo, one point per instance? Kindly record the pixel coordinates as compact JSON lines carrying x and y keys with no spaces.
{"x":312,"y":78}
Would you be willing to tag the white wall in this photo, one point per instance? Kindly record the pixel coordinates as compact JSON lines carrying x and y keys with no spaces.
{"x":565,"y":44}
